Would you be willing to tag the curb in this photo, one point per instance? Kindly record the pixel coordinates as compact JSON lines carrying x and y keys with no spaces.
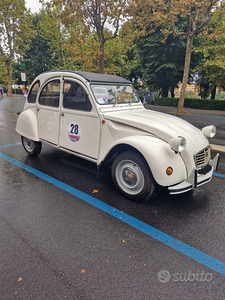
{"x":218,"y":148}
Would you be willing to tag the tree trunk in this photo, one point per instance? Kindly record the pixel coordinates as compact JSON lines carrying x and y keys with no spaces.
{"x":213,"y":95}
{"x":165,"y":92}
{"x":166,"y":83}
{"x":8,"y":64}
{"x":187,"y":62}
{"x":101,"y":56}
{"x":172,"y":92}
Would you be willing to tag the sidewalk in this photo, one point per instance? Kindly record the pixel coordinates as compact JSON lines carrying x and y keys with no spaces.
{"x":186,"y":109}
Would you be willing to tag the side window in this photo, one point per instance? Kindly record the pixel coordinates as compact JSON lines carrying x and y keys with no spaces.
{"x":75,"y":97}
{"x":50,"y":94}
{"x":33,"y":92}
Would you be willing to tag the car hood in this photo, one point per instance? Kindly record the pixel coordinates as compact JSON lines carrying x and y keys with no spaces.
{"x":161,"y":125}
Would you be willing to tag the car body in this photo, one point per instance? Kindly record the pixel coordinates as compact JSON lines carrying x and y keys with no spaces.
{"x":100,"y":118}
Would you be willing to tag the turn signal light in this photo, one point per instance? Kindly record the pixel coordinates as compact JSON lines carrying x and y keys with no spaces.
{"x":169,"y":171}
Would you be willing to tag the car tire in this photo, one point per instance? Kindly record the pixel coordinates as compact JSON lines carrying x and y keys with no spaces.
{"x":132,"y":176}
{"x":32,"y":148}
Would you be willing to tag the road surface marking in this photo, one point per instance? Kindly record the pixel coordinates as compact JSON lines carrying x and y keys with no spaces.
{"x":187,"y":250}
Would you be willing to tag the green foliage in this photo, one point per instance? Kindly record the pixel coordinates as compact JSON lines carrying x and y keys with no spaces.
{"x":3,"y":73}
{"x":41,"y":56}
{"x":212,"y":67}
{"x":15,"y":32}
{"x":91,"y":20}
{"x":17,"y":91}
{"x":192,"y":103}
{"x":161,"y":62}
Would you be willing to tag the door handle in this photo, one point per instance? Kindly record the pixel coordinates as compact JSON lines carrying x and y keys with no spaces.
{"x":62,"y":113}
{"x":37,"y":109}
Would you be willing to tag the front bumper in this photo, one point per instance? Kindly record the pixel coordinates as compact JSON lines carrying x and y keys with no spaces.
{"x":197,"y":178}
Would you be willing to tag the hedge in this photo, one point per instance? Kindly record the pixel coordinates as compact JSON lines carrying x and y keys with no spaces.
{"x":16,"y":91}
{"x":192,"y":103}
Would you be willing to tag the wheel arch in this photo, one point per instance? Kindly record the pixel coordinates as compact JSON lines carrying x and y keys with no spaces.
{"x":27,"y":125}
{"x":119,"y":148}
{"x":156,"y":153}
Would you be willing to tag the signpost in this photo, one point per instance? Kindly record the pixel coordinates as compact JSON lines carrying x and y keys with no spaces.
{"x":14,"y":78}
{"x":23,"y":77}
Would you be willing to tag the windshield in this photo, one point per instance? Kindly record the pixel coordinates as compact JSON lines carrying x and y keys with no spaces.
{"x":111,"y":94}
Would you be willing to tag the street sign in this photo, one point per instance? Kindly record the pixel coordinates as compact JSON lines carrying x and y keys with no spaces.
{"x":13,"y":76}
{"x":23,"y":76}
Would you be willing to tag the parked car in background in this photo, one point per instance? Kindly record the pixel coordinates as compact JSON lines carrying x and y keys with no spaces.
{"x":100,"y":118}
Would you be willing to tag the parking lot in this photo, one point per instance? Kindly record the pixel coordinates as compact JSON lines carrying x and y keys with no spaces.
{"x":66,"y":234}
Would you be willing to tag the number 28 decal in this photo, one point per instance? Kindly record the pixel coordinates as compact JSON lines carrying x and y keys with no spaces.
{"x":74,"y":132}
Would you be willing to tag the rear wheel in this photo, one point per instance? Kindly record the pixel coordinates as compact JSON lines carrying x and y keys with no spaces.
{"x":132,"y":176}
{"x":32,"y":148}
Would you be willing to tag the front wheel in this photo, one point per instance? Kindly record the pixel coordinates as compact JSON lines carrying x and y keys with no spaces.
{"x":32,"y":148}
{"x":132,"y":176}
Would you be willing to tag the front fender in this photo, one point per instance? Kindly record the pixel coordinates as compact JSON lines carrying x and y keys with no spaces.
{"x":27,"y":125}
{"x":159,"y":156}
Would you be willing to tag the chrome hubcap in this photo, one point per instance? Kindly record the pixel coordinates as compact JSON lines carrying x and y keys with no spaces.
{"x":129,"y":177}
{"x":29,"y":144}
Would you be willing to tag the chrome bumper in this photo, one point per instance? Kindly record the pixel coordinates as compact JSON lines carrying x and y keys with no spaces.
{"x":197,"y":178}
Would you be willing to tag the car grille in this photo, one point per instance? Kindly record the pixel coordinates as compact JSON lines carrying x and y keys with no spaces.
{"x":202,"y":157}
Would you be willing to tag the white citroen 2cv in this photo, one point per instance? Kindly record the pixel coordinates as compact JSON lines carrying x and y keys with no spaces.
{"x":100,"y":118}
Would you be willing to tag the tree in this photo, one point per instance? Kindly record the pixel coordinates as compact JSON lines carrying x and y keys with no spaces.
{"x":161,"y":62}
{"x":15,"y":32}
{"x":3,"y":73}
{"x":195,"y":16}
{"x":212,"y":48}
{"x":95,"y":16}
{"x":48,"y":46}
{"x":38,"y":57}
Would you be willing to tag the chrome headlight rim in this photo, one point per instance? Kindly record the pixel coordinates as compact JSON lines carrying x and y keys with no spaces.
{"x":178,"y":144}
{"x":209,"y":131}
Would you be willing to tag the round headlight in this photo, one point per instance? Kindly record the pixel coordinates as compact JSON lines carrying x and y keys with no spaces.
{"x":209,"y":131}
{"x":178,"y":144}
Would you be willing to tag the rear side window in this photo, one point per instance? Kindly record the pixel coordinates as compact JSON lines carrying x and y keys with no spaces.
{"x":33,"y":92}
{"x":50,"y":94}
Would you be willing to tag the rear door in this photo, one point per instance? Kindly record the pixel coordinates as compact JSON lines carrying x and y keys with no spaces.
{"x":48,"y":111}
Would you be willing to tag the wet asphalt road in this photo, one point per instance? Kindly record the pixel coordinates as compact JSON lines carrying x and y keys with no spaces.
{"x":57,"y":243}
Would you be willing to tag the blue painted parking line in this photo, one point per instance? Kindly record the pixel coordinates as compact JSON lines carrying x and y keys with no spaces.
{"x":219,"y":175}
{"x":217,"y":118}
{"x":1,"y":147}
{"x":187,"y":250}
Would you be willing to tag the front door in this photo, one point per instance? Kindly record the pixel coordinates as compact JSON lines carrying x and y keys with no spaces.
{"x":79,"y":122}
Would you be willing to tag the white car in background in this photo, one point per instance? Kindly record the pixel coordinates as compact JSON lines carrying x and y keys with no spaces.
{"x":100,"y":118}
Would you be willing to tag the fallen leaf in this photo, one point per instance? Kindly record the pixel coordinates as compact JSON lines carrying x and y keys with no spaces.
{"x":95,"y":191}
{"x":155,"y":211}
{"x":82,"y":271}
{"x":20,"y":278}
{"x":123,"y":241}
